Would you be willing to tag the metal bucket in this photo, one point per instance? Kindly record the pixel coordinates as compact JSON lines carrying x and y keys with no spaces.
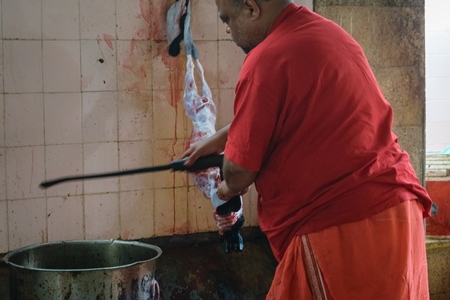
{"x":102,"y":269}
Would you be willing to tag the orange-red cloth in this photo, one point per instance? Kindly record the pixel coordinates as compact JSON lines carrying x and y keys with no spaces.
{"x":311,"y":119}
{"x":381,"y":257}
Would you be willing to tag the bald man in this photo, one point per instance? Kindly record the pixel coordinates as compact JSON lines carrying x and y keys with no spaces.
{"x":338,"y":199}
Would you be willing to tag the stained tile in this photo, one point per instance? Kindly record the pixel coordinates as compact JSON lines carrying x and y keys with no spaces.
{"x":21,"y":19}
{"x":26,"y":222}
{"x":2,"y":174}
{"x":63,"y":161}
{"x":159,"y":9}
{"x":204,"y":20}
{"x":22,"y":66}
{"x":137,"y":214}
{"x":28,"y":108}
{"x":134,"y":66}
{"x":60,"y":19}
{"x":99,"y":117}
{"x":231,"y":58}
{"x":169,"y":116}
{"x":207,"y":52}
{"x":65,"y":218}
{"x":168,"y":72}
{"x":164,"y":152}
{"x":3,"y":227}
{"x":62,"y":118}
{"x":135,"y":155}
{"x":101,"y":216}
{"x":170,"y":215}
{"x":101,"y":158}
{"x":1,"y":63}
{"x":225,"y":107}
{"x":61,"y":65}
{"x":250,"y":210}
{"x":2,"y":120}
{"x":98,"y":19}
{"x":24,"y":172}
{"x":135,"y":116}
{"x":200,"y":212}
{"x":98,"y":65}
{"x":134,"y":20}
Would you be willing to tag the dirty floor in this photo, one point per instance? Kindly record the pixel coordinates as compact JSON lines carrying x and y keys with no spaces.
{"x":196,"y":267}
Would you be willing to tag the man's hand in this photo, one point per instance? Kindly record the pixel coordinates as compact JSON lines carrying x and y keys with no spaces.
{"x":215,"y":144}
{"x":229,"y":220}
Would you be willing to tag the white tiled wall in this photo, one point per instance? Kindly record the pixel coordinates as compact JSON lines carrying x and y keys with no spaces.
{"x":437,"y":41}
{"x":87,"y":86}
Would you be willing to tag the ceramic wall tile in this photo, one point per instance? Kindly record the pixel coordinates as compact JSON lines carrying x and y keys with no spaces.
{"x":21,"y":19}
{"x":29,"y":109}
{"x":99,"y":117}
{"x":134,"y":20}
{"x":26,"y":222}
{"x":62,"y":161}
{"x":137,"y":215}
{"x":101,"y":158}
{"x":207,"y":52}
{"x":168,"y":72}
{"x":2,"y":174}
{"x":2,"y":120}
{"x":231,"y":58}
{"x":200,"y":212}
{"x":171,"y":211}
{"x":204,"y":20}
{"x":60,"y":19}
{"x":98,"y":65}
{"x":225,"y":107}
{"x":164,"y":152}
{"x":1,"y":62}
{"x":438,"y":65}
{"x":65,"y":218}
{"x":61,"y":64}
{"x":438,"y":136}
{"x":135,"y":115}
{"x":250,"y":201}
{"x":435,"y":88}
{"x":169,"y":116}
{"x":3,"y":227}
{"x":101,"y":216}
{"x":135,"y":155}
{"x":62,"y":118}
{"x":159,"y":9}
{"x":22,"y":66}
{"x":134,"y":66}
{"x":98,"y":19}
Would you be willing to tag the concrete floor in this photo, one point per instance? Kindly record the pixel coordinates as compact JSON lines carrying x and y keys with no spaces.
{"x":196,"y":267}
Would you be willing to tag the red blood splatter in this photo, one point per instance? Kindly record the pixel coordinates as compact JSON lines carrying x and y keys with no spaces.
{"x":107,"y":38}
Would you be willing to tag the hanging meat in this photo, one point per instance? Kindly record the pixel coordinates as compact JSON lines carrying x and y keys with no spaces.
{"x":201,"y":109}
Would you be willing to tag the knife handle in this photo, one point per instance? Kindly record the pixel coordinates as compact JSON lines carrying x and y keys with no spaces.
{"x":202,"y":163}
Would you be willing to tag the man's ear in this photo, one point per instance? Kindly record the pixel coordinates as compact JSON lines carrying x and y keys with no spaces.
{"x":253,"y":8}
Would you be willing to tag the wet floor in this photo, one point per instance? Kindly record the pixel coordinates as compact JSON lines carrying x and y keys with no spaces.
{"x":196,"y":267}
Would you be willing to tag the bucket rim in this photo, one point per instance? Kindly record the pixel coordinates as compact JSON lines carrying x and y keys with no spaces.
{"x":9,"y":255}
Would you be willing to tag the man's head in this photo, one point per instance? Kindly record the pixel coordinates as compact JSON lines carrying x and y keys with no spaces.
{"x":249,"y":21}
